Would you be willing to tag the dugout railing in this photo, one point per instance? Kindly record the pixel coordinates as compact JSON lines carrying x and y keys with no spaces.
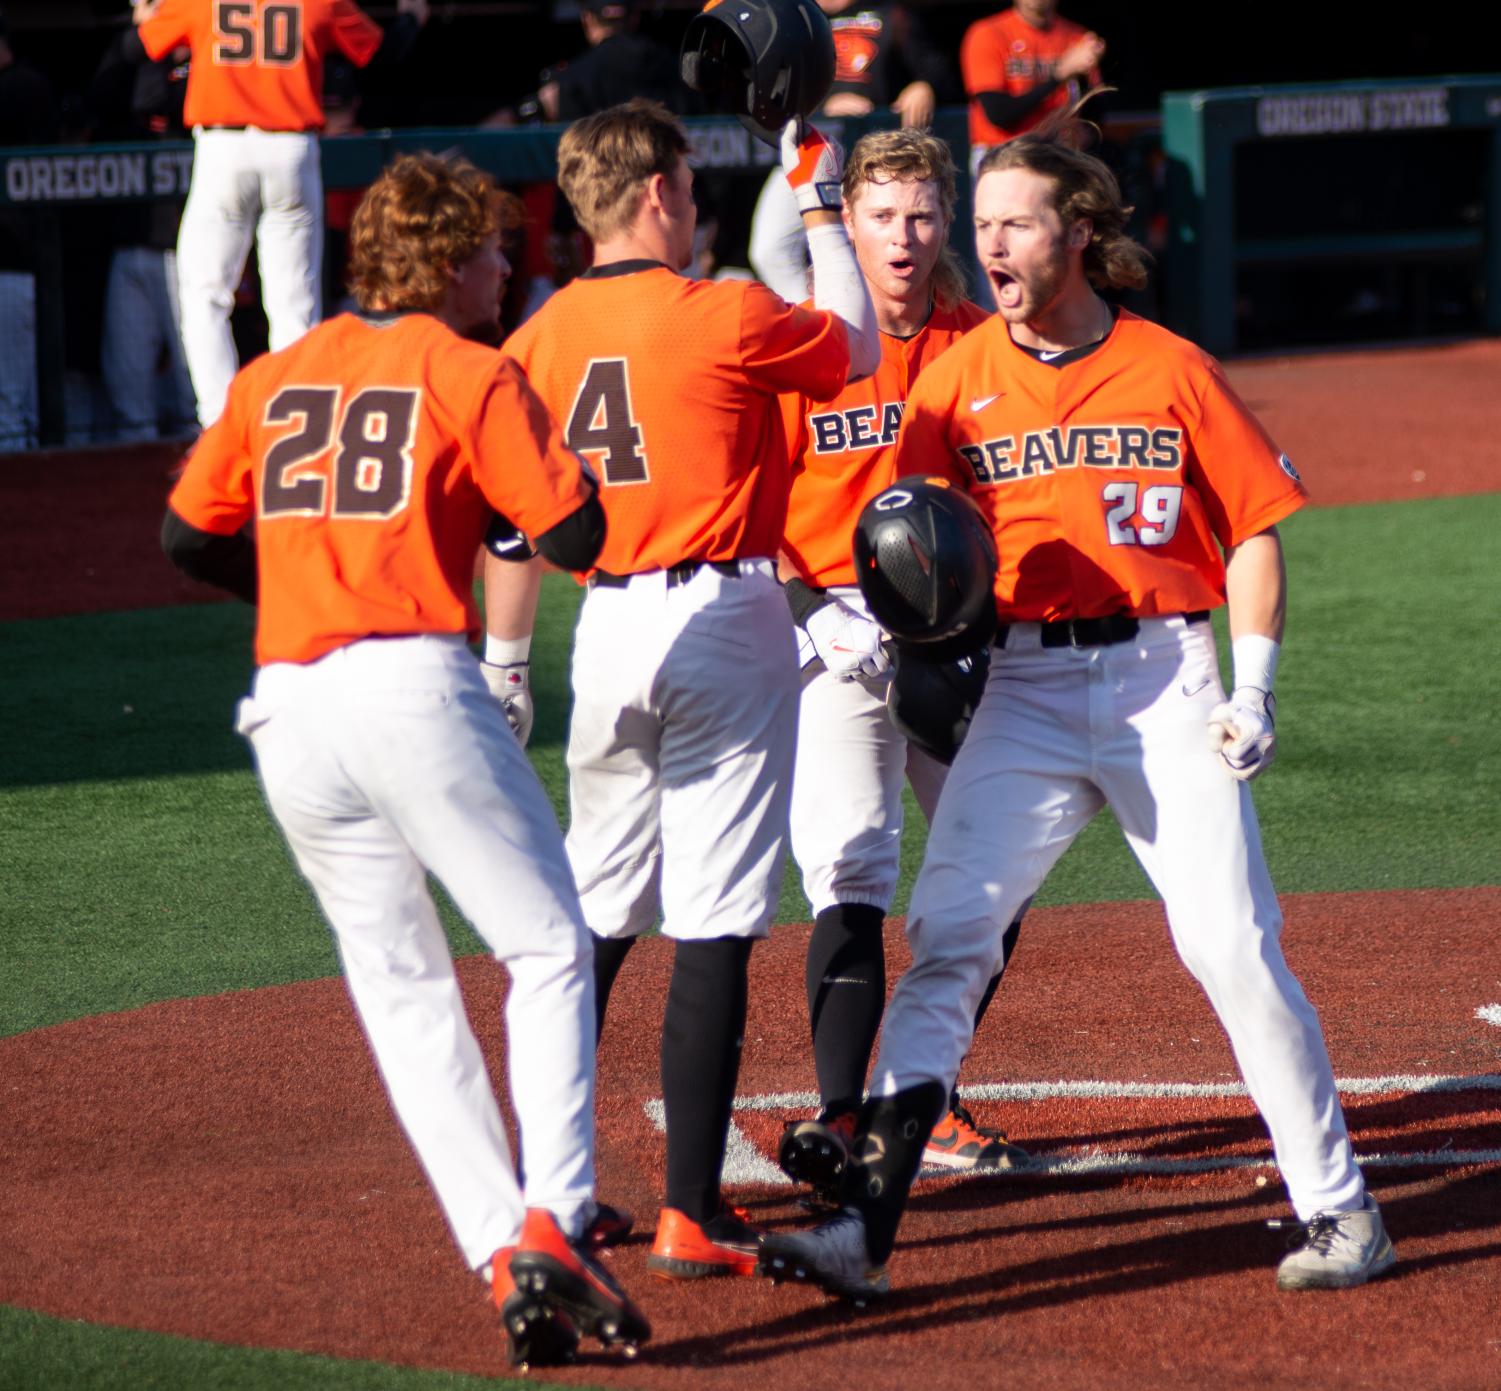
{"x":1331,"y":181}
{"x":67,"y":195}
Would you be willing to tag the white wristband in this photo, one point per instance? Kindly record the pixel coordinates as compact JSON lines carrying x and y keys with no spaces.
{"x":839,"y":287}
{"x":507,"y":652}
{"x":1255,"y":661}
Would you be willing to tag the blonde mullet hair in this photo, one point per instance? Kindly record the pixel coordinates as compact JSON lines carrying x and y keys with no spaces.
{"x":1083,"y":187}
{"x":914,"y":156}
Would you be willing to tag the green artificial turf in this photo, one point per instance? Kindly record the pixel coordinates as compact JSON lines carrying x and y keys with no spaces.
{"x":38,"y":1353}
{"x":140,"y":864}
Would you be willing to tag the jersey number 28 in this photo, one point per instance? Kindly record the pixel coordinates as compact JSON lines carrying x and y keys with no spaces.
{"x":372,"y":470}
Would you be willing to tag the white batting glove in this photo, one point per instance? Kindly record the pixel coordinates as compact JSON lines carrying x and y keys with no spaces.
{"x":814,"y":166}
{"x":848,"y":645}
{"x":1241,"y":731}
{"x":508,"y":685}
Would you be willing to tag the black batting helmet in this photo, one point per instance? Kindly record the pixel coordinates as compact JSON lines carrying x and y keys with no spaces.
{"x":932,"y":702}
{"x":925,"y":562}
{"x":765,"y":61}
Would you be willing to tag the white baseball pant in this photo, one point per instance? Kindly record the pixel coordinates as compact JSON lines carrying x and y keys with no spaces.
{"x":389,"y":757}
{"x":847,"y":785}
{"x":247,"y":183}
{"x":680,"y":753}
{"x":141,"y":317}
{"x":1060,"y":733}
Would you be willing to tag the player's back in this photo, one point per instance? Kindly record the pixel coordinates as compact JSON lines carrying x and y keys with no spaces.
{"x":259,"y":62}
{"x":359,"y":447}
{"x":667,"y":387}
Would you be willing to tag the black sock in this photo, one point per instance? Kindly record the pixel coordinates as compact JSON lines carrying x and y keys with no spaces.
{"x":609,"y":956}
{"x":846,"y":979}
{"x":888,"y":1153}
{"x":702,"y":1032}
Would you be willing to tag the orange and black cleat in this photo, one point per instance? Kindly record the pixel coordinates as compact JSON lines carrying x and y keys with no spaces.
{"x":817,"y":1151}
{"x":541,"y":1334}
{"x":562,"y":1275}
{"x":726,"y":1244}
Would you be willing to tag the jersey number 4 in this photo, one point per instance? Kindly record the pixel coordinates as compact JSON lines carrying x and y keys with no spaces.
{"x":372,"y":470}
{"x":277,"y":41}
{"x":602,"y":423}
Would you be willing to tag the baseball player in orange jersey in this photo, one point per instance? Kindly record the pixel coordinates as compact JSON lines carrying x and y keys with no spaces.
{"x":1115,"y":464}
{"x":368,"y":457}
{"x":899,"y":196}
{"x":685,"y":667}
{"x":1021,"y":65}
{"x":255,"y":104}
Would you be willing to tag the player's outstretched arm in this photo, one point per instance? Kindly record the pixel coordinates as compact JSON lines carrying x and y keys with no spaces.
{"x":814,"y":166}
{"x":1242,"y":729}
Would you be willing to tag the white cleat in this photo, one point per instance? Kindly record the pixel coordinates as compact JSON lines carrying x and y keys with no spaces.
{"x":1339,"y":1249}
{"x":834,"y":1256}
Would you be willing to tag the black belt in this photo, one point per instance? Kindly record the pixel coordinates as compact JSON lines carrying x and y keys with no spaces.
{"x":676,"y":574}
{"x":1097,"y":632}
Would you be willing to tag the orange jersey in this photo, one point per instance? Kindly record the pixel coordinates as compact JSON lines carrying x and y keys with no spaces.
{"x":668,"y":388}
{"x":1006,"y":54}
{"x":371,"y":456}
{"x":259,"y":62}
{"x":1107,"y":481}
{"x":843,"y":453}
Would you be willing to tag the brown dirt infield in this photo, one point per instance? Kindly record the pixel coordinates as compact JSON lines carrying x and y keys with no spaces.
{"x":227,"y":1168}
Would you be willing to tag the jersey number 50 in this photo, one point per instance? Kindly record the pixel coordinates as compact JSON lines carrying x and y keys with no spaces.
{"x":278,"y":41}
{"x":372,"y":471}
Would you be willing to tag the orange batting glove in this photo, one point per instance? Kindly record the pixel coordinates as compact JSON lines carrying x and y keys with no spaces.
{"x":814,"y":166}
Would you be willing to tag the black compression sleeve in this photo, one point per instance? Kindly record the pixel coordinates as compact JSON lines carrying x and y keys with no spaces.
{"x":1004,"y":110}
{"x":395,"y":44}
{"x":575,"y":542}
{"x":803,"y":600}
{"x":225,"y":561}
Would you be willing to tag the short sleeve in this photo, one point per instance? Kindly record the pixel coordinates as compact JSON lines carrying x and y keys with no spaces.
{"x":978,"y":61}
{"x":923,"y":446}
{"x":1246,"y":483}
{"x":355,"y":34}
{"x":167,"y":26}
{"x":216,"y":492}
{"x":521,"y":462}
{"x":789,"y":348}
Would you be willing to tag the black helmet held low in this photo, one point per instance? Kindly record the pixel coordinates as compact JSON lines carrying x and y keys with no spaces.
{"x":925,"y":561}
{"x":932,"y":703}
{"x":765,"y":61}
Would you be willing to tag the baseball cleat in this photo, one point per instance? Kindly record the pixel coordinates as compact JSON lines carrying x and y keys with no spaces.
{"x":834,"y":1256}
{"x":817,"y":1151}
{"x":726,"y":1244}
{"x":958,"y":1143}
{"x":608,"y":1227}
{"x":540,"y":1335}
{"x":562,"y":1275}
{"x":1337,"y":1250}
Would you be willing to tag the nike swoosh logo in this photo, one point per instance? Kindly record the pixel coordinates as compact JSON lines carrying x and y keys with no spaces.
{"x":1196,"y":689}
{"x":980,"y":402}
{"x":1048,"y":357}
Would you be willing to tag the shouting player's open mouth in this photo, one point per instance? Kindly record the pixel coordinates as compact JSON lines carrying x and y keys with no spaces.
{"x":1008,"y":290}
